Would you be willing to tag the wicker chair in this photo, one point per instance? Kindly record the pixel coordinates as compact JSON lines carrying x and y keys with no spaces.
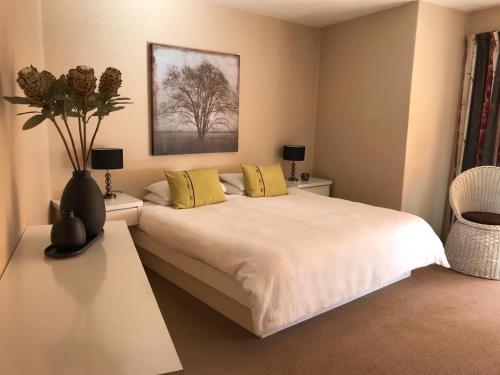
{"x":473,"y":248}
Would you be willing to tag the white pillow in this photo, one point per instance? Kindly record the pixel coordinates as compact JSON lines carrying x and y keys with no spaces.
{"x":235,"y":179}
{"x":151,"y":197}
{"x":162,"y":189}
{"x":232,"y":190}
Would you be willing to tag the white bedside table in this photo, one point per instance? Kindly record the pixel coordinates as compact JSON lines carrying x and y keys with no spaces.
{"x":123,"y":207}
{"x":314,"y":185}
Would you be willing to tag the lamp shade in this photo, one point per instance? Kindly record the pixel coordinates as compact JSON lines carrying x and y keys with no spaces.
{"x":107,"y":158}
{"x":294,"y":152}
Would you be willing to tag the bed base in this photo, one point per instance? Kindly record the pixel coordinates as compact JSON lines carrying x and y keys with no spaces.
{"x":217,"y":290}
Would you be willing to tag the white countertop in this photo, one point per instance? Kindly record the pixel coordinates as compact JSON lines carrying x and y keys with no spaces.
{"x":91,"y":314}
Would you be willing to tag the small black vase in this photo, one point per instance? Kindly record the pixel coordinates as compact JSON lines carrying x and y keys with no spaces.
{"x":68,"y":233}
{"x":83,"y":196}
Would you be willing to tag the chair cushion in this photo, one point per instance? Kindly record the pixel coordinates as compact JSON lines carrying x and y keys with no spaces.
{"x":488,"y":218}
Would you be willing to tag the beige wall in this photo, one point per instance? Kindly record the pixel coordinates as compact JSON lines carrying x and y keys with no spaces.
{"x":435,"y":93}
{"x":387,"y":106}
{"x":279,"y":66}
{"x":24,"y":186}
{"x":483,"y":21}
{"x":363,"y":101}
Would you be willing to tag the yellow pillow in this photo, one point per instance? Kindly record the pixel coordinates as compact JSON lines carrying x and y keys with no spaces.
{"x":267,"y":181}
{"x":194,"y":188}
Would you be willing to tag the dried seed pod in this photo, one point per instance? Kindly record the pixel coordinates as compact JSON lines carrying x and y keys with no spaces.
{"x":30,"y":82}
{"x":110,"y":81}
{"x":81,"y":80}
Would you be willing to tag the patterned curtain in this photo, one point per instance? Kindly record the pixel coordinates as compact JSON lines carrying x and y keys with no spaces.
{"x":479,"y":124}
{"x":479,"y":121}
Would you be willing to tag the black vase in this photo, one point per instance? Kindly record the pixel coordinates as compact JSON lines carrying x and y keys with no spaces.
{"x":68,"y":232}
{"x":83,"y":196}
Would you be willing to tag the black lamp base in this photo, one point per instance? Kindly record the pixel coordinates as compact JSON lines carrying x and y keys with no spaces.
{"x":292,"y":177}
{"x":109,"y":193}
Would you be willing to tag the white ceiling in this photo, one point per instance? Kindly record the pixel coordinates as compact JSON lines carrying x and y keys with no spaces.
{"x":326,"y":12}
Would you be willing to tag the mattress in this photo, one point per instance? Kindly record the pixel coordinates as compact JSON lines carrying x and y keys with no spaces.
{"x":296,"y":254}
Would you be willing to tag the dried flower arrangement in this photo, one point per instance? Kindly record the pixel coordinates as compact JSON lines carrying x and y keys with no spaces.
{"x":72,"y":95}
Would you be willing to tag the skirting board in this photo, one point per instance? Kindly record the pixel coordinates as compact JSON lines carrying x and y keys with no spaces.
{"x":217,"y":299}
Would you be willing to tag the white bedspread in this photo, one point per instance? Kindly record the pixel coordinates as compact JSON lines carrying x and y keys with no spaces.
{"x":297,"y":254}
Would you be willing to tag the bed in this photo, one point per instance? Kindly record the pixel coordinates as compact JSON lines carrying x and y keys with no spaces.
{"x":269,"y":263}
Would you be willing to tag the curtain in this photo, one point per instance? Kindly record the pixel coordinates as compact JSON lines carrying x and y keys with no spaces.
{"x":478,"y":135}
{"x":479,"y":126}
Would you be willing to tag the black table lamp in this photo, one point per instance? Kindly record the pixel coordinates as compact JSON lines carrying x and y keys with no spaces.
{"x":293,"y":153}
{"x":107,"y":158}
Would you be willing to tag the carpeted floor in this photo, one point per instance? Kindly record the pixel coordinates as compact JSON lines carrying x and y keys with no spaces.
{"x":436,"y":322}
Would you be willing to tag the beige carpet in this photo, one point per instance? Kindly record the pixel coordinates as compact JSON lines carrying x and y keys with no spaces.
{"x":436,"y":322}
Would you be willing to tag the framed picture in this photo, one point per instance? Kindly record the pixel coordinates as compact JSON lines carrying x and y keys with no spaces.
{"x":194,"y":100}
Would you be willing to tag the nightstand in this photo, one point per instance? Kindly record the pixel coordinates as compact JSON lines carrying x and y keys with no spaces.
{"x":123,"y":207}
{"x":314,"y":185}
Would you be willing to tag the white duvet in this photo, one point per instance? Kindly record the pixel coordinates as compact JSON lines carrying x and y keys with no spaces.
{"x":297,"y":254}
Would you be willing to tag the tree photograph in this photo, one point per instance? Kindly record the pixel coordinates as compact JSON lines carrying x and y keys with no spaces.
{"x":195,"y":101}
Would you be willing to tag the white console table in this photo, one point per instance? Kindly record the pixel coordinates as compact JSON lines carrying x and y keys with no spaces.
{"x":91,"y":314}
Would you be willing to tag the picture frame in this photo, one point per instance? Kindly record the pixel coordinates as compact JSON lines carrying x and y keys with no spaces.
{"x":194,"y":100}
